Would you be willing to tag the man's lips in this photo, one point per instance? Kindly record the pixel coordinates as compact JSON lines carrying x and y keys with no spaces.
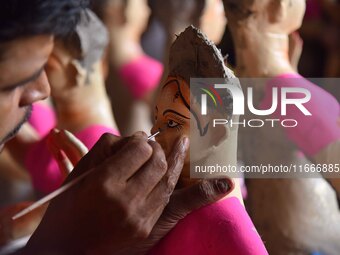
{"x":9,"y":138}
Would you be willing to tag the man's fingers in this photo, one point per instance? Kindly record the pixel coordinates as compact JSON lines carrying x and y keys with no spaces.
{"x":166,"y":186}
{"x":152,"y":172}
{"x":103,"y":149}
{"x":154,"y":169}
{"x":106,"y":146}
{"x":130,"y":158}
{"x":206,"y":192}
{"x":69,"y":144}
{"x":176,"y":160}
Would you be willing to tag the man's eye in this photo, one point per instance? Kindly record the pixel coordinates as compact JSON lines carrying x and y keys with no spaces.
{"x":172,"y":124}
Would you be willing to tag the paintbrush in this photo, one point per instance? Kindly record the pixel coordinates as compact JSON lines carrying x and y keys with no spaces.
{"x":65,"y":187}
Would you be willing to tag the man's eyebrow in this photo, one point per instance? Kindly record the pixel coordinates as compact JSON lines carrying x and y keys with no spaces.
{"x":172,"y":111}
{"x":33,"y":77}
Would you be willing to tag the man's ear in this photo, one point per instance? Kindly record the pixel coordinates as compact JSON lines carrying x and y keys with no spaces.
{"x":277,"y":10}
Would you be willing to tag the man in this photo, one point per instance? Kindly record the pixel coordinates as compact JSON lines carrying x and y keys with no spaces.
{"x":124,"y":206}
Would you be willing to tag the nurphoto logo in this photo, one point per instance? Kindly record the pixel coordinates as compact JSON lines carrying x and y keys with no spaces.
{"x":212,"y":92}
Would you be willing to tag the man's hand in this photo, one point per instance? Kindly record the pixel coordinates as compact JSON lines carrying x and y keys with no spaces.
{"x":115,"y":206}
{"x":119,"y":208}
{"x":182,"y":202}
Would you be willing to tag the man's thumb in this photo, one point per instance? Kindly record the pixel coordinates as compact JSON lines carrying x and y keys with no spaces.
{"x":206,"y":192}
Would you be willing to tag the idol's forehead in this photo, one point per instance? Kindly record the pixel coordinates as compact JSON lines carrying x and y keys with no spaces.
{"x":175,"y":94}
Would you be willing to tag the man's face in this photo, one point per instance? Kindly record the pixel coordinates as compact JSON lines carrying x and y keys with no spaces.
{"x":22,"y":81}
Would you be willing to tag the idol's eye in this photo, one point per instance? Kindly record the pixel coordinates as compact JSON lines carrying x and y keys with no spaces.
{"x":172,"y":124}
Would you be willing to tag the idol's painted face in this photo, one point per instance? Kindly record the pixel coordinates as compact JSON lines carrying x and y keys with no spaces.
{"x":172,"y":111}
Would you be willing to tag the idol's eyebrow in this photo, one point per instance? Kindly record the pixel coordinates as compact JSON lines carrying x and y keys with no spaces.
{"x":172,"y":111}
{"x":33,"y":77}
{"x":170,"y":81}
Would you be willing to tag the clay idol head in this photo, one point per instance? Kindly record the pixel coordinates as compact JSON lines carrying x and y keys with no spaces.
{"x":277,"y":16}
{"x":75,"y":57}
{"x":124,"y":14}
{"x":192,"y":55}
{"x":208,"y":15}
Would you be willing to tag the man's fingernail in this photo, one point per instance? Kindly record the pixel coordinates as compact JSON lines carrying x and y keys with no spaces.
{"x":225,"y":185}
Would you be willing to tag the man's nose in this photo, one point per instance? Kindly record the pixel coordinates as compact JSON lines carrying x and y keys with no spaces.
{"x":35,"y":91}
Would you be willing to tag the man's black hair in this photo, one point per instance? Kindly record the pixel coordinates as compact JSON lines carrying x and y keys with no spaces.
{"x":22,"y":18}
